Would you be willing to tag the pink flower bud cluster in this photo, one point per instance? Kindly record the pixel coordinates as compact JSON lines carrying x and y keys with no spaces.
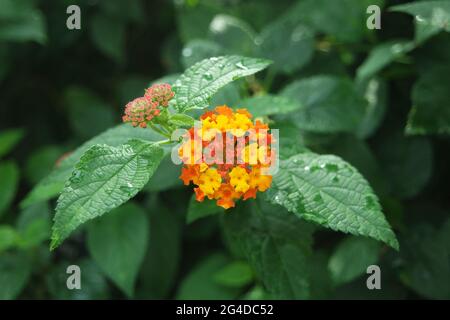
{"x":143,"y":109}
{"x":160,"y":93}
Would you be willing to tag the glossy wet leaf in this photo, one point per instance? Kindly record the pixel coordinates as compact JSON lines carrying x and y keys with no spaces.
{"x":103,"y":179}
{"x":328,"y":104}
{"x":200,"y":82}
{"x":382,"y":55}
{"x":288,"y":43}
{"x":430,"y":17}
{"x":327,"y":190}
{"x":52,"y":185}
{"x":430,"y":112}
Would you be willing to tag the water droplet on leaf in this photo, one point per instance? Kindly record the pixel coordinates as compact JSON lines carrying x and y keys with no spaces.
{"x":241,"y":66}
{"x":76,"y":177}
{"x":208,"y":76}
{"x":331,"y":167}
{"x":318,"y":198}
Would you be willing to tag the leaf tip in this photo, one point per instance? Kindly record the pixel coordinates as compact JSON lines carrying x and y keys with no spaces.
{"x":55,"y":242}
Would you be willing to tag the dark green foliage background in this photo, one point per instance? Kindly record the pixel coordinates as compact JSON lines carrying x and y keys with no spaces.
{"x":59,"y":88}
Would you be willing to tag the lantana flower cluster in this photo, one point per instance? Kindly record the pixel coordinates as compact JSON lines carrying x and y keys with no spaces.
{"x":227,"y":157}
{"x":143,"y":109}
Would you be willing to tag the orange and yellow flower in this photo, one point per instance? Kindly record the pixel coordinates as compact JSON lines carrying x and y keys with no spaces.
{"x":223,"y":181}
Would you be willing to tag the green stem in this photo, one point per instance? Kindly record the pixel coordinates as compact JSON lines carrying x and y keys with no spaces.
{"x":269,"y":79}
{"x":168,"y":141}
{"x":165,"y":134}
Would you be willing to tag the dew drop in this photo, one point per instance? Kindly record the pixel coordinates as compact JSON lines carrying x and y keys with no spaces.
{"x":420,"y":19}
{"x":331,"y":167}
{"x":370,"y":202}
{"x":187,"y":52}
{"x":76,"y":177}
{"x":241,"y":66}
{"x":318,"y":198}
{"x":208,"y":76}
{"x":128,"y":189}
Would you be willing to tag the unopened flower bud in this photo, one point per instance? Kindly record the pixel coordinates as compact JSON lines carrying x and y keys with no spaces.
{"x":160,"y":93}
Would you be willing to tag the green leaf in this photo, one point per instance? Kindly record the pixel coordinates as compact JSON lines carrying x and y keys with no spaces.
{"x":382,"y":55}
{"x":276,"y":244}
{"x":199,"y":284}
{"x":41,"y":162}
{"x":328,"y":104}
{"x":327,"y":190}
{"x":15,"y":269}
{"x":197,"y":210}
{"x":375,"y":92}
{"x":228,"y":95}
{"x":108,"y":34}
{"x":199,"y":49}
{"x":9,"y":139}
{"x":93,"y":283}
{"x":351,"y":259}
{"x":288,"y":43}
{"x":162,"y":261}
{"x":290,"y":139}
{"x":8,"y":237}
{"x":407,"y":163}
{"x":233,"y":35}
{"x":52,"y":185}
{"x":430,"y":17}
{"x":358,"y":153}
{"x":200,"y":82}
{"x":166,"y":177}
{"x":426,"y":257}
{"x":118,"y":242}
{"x":344,"y":20}
{"x":235,"y":275}
{"x":257,"y":293}
{"x":430,"y":112}
{"x":193,"y":19}
{"x":9,"y":181}
{"x":21,"y":22}
{"x":103,"y":179}
{"x":269,"y":104}
{"x":88,"y":114}
{"x":33,"y":225}
{"x":181,"y":120}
